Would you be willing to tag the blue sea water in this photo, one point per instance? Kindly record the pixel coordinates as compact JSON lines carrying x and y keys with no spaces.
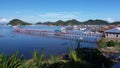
{"x":25,"y":44}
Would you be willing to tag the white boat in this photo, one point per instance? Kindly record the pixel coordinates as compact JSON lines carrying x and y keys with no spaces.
{"x":15,"y":26}
{"x":63,"y":29}
{"x":75,"y":27}
{"x":82,"y":29}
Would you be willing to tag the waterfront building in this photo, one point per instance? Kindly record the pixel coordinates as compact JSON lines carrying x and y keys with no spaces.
{"x":113,"y":34}
{"x":75,"y":27}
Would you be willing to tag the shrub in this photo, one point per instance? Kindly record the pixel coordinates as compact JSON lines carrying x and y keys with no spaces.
{"x":110,"y":43}
{"x":102,"y":43}
{"x":10,"y":62}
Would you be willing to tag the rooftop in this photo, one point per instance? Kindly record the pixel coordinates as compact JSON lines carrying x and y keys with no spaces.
{"x":114,"y":30}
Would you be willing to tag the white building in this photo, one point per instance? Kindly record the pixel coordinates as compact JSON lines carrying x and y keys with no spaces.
{"x":113,"y":34}
{"x":75,"y":27}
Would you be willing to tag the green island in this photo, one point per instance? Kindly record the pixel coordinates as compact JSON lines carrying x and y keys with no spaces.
{"x":76,"y":22}
{"x":15,"y":22}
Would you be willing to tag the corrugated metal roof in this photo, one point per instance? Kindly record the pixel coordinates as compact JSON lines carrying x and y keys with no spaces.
{"x":114,"y":30}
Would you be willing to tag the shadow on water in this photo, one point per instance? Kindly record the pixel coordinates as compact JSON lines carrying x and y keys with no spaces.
{"x":1,"y":35}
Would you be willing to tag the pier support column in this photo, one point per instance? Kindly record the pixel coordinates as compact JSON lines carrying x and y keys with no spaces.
{"x":78,"y":44}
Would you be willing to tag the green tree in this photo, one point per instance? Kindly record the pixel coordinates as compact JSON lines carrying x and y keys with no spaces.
{"x":102,"y":43}
{"x":110,"y":43}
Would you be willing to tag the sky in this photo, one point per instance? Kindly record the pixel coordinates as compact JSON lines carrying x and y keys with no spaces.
{"x":52,"y":10}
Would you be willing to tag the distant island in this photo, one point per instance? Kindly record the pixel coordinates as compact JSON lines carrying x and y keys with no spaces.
{"x":15,"y":22}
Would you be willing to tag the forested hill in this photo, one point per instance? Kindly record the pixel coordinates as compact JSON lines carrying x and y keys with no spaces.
{"x":16,"y":22}
{"x":76,"y":22}
{"x":68,"y":22}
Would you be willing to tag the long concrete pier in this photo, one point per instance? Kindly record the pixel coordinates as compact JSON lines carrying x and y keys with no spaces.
{"x":79,"y":37}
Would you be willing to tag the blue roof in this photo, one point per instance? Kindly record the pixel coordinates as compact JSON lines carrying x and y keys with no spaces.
{"x":114,"y":30}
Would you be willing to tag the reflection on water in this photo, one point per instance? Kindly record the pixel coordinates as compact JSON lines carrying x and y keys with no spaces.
{"x":26,"y":44}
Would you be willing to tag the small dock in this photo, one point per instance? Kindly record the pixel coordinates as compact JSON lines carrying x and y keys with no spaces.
{"x":79,"y":37}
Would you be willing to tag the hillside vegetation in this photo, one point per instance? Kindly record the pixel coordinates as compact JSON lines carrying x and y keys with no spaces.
{"x":16,"y":22}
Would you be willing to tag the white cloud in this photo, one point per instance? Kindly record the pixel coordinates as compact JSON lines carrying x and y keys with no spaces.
{"x":53,"y":16}
{"x":3,"y":20}
{"x":110,"y":20}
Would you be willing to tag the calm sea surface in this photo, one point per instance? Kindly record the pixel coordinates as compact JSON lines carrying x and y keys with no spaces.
{"x":26,"y":44}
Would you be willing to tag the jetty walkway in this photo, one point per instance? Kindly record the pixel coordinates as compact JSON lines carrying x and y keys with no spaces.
{"x":79,"y":37}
